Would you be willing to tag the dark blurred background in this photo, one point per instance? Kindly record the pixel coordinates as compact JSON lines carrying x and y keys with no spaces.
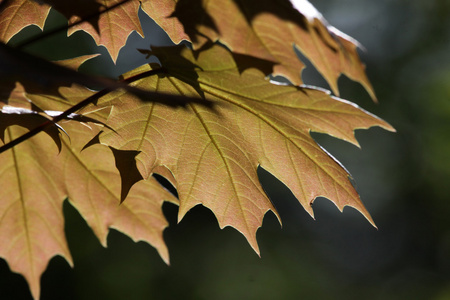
{"x":403,"y":179}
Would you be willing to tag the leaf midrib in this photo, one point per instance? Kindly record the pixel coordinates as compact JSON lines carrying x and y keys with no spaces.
{"x":22,"y":202}
{"x":211,"y":90}
{"x":214,"y":142}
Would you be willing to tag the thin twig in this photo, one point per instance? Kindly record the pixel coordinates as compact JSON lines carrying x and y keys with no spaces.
{"x":166,"y":99}
{"x":73,"y":109}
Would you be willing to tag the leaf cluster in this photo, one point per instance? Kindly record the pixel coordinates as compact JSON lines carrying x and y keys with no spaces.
{"x":206,"y":117}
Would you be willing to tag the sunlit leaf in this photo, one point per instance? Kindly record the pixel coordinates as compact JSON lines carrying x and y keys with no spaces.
{"x":272,"y":30}
{"x":35,"y":180}
{"x":17,"y":14}
{"x":203,"y":119}
{"x":31,"y":220}
{"x":213,"y":154}
{"x":161,"y":12}
{"x":113,"y":26}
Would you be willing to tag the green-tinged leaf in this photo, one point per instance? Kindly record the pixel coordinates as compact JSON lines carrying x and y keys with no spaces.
{"x":270,"y":30}
{"x":203,"y":119}
{"x":31,"y":220}
{"x":35,"y":180}
{"x":213,"y":155}
{"x":93,"y":186}
{"x":76,"y":62}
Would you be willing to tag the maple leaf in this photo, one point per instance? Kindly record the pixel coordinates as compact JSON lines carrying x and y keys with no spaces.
{"x":210,"y":153}
{"x":109,"y":22}
{"x":211,"y":156}
{"x":43,"y":77}
{"x":17,"y":14}
{"x":113,"y":26}
{"x":93,"y":188}
{"x":36,"y":179}
{"x":161,"y":12}
{"x":260,"y":29}
{"x":16,"y":108}
{"x":31,"y":119}
{"x":19,"y":69}
{"x":270,"y":30}
{"x":31,"y":221}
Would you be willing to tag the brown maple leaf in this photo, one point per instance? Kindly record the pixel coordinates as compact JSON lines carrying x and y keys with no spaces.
{"x":270,"y":30}
{"x":211,"y":156}
{"x":17,"y":14}
{"x":36,"y":179}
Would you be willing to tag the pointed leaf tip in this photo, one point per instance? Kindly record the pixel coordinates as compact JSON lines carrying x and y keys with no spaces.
{"x":243,"y":27}
{"x":213,"y":155}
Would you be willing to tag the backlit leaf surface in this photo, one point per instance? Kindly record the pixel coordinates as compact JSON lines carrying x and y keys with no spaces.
{"x":113,"y":27}
{"x":109,"y":22}
{"x":31,"y":220}
{"x":36,"y":179}
{"x":161,"y":12}
{"x":267,"y":29}
{"x":213,"y":154}
{"x":17,"y":14}
{"x":270,"y":30}
{"x":93,"y":187}
{"x":210,"y":153}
